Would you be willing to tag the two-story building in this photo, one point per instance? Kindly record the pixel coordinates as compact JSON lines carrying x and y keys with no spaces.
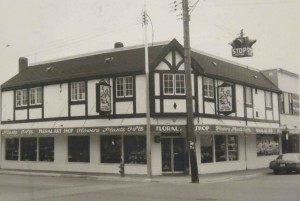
{"x":288,"y":83}
{"x":87,"y":113}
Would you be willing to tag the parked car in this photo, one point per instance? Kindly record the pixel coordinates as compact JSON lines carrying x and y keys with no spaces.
{"x":289,"y":163}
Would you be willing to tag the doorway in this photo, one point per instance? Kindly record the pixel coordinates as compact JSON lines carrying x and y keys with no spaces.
{"x":172,"y":151}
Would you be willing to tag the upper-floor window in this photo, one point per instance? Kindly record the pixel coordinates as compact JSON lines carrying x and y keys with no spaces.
{"x":248,"y":96}
{"x":208,"y":87}
{"x":21,"y":97}
{"x":268,"y":99}
{"x":124,"y":87}
{"x":78,"y":91}
{"x":174,"y":84}
{"x":289,"y":103}
{"x":35,"y":96}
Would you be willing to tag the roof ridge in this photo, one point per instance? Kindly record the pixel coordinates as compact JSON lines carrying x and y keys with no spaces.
{"x":99,"y":52}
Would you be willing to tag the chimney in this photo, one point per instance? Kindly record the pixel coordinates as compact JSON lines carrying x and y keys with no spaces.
{"x":119,"y":44}
{"x":23,"y":64}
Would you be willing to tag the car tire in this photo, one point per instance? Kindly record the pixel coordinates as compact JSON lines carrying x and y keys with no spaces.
{"x":276,"y":171}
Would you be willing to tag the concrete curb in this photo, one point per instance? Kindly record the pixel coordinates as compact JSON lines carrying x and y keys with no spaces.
{"x":159,"y":179}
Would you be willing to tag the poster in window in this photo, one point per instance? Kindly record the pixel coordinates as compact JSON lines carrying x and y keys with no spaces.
{"x":103,"y":94}
{"x":226,"y":99}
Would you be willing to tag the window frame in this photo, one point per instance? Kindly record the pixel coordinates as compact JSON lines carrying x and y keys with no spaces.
{"x":208,"y":88}
{"x":36,"y":95}
{"x":85,"y":145}
{"x":78,"y":91}
{"x":248,"y":96}
{"x":231,"y":150}
{"x":174,"y":84}
{"x":268,"y":101}
{"x":125,"y":87}
{"x":21,"y":98}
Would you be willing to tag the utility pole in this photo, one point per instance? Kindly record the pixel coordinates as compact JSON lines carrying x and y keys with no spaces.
{"x":189,"y":99}
{"x":148,"y":132}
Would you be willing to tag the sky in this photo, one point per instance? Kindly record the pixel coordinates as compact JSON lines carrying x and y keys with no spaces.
{"x":52,"y":29}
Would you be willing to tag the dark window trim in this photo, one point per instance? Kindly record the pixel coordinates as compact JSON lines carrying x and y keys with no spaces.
{"x":80,"y":102}
{"x":28,"y":106}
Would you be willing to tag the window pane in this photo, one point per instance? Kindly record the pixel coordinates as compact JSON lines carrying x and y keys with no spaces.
{"x":180,"y":84}
{"x":28,"y":149}
{"x":135,"y":149}
{"x":168,"y":84}
{"x":220,"y":145}
{"x":232,"y":147}
{"x":24,"y":97}
{"x":81,"y":90}
{"x":111,"y":149}
{"x":32,"y":96}
{"x":128,"y":86}
{"x":46,"y":149}
{"x":248,"y":96}
{"x":208,"y":87}
{"x":12,"y":149}
{"x":21,"y":97}
{"x":77,"y":91}
{"x":120,"y":87}
{"x":268,"y":99}
{"x":79,"y":149}
{"x":267,"y":145}
{"x":206,"y":148}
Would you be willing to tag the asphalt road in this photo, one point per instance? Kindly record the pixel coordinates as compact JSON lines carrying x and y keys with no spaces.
{"x":267,"y":187}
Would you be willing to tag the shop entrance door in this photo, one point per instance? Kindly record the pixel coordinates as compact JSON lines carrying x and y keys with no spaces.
{"x":172,"y":151}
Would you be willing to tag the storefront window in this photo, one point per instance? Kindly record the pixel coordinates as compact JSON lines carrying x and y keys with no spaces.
{"x":232,"y":148}
{"x":135,"y":149}
{"x":46,"y":149}
{"x":28,"y":149}
{"x":206,"y":148}
{"x":111,"y":147}
{"x":267,"y":145}
{"x":79,"y":149}
{"x":220,"y":145}
{"x":12,"y":149}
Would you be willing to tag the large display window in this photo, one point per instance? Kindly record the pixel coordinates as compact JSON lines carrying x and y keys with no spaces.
{"x":28,"y":149}
{"x":135,"y":149}
{"x":132,"y":147}
{"x":206,"y":148}
{"x":267,"y":145}
{"x":111,"y":149}
{"x":46,"y":149}
{"x":12,"y":149}
{"x":218,"y":148}
{"x":79,"y":149}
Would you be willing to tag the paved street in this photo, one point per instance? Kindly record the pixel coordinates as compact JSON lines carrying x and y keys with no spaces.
{"x":258,"y":187}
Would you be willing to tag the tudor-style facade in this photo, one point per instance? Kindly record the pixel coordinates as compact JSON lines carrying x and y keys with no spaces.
{"x":51,"y":120}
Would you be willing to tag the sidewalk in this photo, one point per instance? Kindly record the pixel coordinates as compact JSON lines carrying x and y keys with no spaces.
{"x":205,"y":178}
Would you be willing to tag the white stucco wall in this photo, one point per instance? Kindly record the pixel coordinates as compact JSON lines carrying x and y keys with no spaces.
{"x":7,"y":108}
{"x":56,"y":100}
{"x":140,"y":93}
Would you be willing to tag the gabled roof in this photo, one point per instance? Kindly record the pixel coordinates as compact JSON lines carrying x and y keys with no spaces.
{"x":122,"y":61}
{"x":128,"y":61}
